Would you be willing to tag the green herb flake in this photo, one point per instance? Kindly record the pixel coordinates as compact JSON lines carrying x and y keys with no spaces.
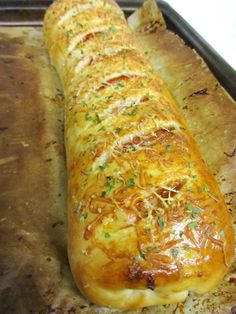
{"x":118,"y":129}
{"x":119,"y":86}
{"x":190,"y":164}
{"x":194,"y":176}
{"x":131,"y":113}
{"x":79,"y":24}
{"x":108,"y":97}
{"x":195,"y":212}
{"x":97,"y":119}
{"x":134,"y":112}
{"x":166,"y":306}
{"x":107,"y":235}
{"x":174,"y":252}
{"x":160,"y":222}
{"x":102,"y":129}
{"x":188,"y":206}
{"x":192,"y":225}
{"x":109,"y":185}
{"x":165,"y":111}
{"x":69,"y":33}
{"x":131,"y":149}
{"x":88,"y":170}
{"x":222,"y":233}
{"x":83,"y":217}
{"x":88,"y":117}
{"x":136,"y":173}
{"x":112,"y":28}
{"x":130,"y":183}
{"x":187,"y":247}
{"x":181,"y":234}
{"x":139,"y":257}
{"x":169,"y":147}
{"x":204,"y":188}
{"x":106,"y":36}
{"x":84,"y":103}
{"x":149,"y":96}
{"x":102,"y":167}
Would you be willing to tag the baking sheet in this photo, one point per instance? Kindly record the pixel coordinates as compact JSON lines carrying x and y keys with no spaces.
{"x":35,"y":275}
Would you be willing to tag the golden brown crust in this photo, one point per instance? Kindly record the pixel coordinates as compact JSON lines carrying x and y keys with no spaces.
{"x":147,"y":222}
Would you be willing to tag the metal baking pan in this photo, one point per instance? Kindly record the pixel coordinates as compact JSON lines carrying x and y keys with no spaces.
{"x":30,"y":13}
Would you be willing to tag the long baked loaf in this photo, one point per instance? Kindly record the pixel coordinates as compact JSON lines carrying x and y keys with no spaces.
{"x":146,"y":220}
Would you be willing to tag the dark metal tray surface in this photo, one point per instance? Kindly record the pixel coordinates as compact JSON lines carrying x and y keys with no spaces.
{"x":30,"y":13}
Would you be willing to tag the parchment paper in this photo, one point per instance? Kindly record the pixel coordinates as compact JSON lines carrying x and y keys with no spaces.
{"x":34,"y":271}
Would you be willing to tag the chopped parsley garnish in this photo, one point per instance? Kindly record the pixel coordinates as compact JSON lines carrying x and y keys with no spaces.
{"x":181,"y":234}
{"x":149,"y":96}
{"x":79,"y":24}
{"x":109,"y":184}
{"x":189,"y":188}
{"x":195,"y":212}
{"x":102,"y":128}
{"x":83,"y":216}
{"x":88,"y":170}
{"x":102,"y":167}
{"x":106,"y":36}
{"x":187,"y":247}
{"x":174,"y":252}
{"x":188,"y":206}
{"x":134,"y":112}
{"x":136,"y":173}
{"x":139,"y":257}
{"x":190,"y":164}
{"x":88,"y":117}
{"x":204,"y":188}
{"x":131,"y":113}
{"x":119,"y":86}
{"x":108,"y":97}
{"x":84,"y":103}
{"x":112,"y":28}
{"x":165,"y":111}
{"x":130,"y":183}
{"x":97,"y":119}
{"x":131,"y":149}
{"x":222,"y":233}
{"x":69,"y":33}
{"x":192,"y":225}
{"x":160,"y":222}
{"x":118,"y":129}
{"x":194,"y":176}
{"x":169,"y":147}
{"x":107,"y":235}
{"x":166,"y":306}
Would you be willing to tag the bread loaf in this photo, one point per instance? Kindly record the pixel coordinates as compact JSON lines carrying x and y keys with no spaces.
{"x":146,"y":220}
